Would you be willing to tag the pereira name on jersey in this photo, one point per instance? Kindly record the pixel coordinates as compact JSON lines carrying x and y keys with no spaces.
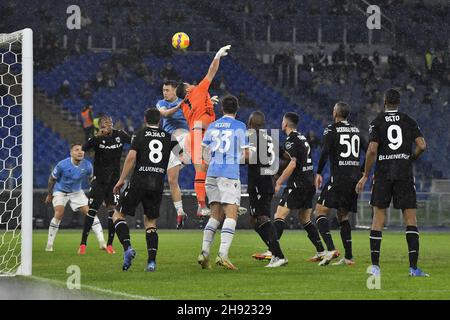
{"x":395,"y":132}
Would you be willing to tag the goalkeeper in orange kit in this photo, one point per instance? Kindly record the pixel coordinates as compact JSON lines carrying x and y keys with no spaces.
{"x":198,"y":110}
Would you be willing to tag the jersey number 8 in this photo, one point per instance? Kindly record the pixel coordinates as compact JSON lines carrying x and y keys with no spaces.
{"x":155,"y":154}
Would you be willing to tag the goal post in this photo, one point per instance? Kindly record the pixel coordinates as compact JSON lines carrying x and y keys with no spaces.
{"x":16,"y":153}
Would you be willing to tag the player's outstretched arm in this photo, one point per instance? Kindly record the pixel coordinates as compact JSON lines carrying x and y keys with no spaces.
{"x":127,"y":167}
{"x":170,"y":112}
{"x":286,"y":174}
{"x":371,"y":155}
{"x":214,"y":67}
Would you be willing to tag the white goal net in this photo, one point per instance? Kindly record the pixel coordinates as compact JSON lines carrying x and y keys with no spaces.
{"x":16,"y":152}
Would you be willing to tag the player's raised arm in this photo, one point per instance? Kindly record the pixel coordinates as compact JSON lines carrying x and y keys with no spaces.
{"x":214,"y":67}
{"x":169,"y":112}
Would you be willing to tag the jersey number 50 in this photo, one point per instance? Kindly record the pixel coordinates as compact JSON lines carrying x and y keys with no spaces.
{"x":352,"y":145}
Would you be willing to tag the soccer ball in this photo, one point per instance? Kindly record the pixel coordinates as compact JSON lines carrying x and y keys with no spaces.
{"x":180,"y":40}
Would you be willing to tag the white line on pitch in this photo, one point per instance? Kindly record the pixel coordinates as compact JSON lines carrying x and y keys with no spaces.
{"x":92,"y":288}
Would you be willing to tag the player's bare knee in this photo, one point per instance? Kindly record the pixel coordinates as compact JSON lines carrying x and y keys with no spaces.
{"x":410,"y":217}
{"x":84,"y":210}
{"x":342,"y":215}
{"x":304,"y":216}
{"x":118,"y":216}
{"x":282,"y":213}
{"x":379,"y":216}
{"x":59,"y":213}
{"x":321,"y":210}
{"x":150,"y":224}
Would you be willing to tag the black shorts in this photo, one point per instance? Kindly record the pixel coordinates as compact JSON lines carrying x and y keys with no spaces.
{"x":260,"y":204}
{"x":339,"y":196}
{"x":132,"y":197}
{"x":298,"y":198}
{"x":403,"y":194}
{"x":103,"y":192}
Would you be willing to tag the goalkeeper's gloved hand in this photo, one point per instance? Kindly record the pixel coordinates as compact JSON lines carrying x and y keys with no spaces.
{"x":215,"y":99}
{"x":222,"y":52}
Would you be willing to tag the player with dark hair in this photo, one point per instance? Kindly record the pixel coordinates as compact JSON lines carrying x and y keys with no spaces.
{"x":261,"y":170}
{"x":108,"y":146}
{"x":149,"y":155}
{"x":225,"y":141}
{"x":198,"y":110}
{"x":342,"y":145}
{"x":300,"y":190}
{"x":175,"y":124}
{"x":64,"y":186}
{"x":391,"y":136}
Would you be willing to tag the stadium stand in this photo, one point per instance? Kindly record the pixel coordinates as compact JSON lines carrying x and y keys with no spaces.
{"x":145,"y":32}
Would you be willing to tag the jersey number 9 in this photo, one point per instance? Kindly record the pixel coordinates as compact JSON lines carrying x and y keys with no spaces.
{"x":395,"y":142}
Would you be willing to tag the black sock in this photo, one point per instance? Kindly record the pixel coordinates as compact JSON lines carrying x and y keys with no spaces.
{"x":324,"y":229}
{"x":375,"y":245}
{"x":269,"y":232}
{"x":412,"y":238}
{"x":260,"y":233}
{"x":111,"y":230}
{"x":279,"y":226}
{"x":346,"y":236}
{"x":123,"y":233}
{"x":152,"y":243}
{"x":88,"y":222}
{"x":314,"y":236}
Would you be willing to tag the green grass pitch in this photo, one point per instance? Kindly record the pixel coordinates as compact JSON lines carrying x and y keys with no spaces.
{"x":178,"y":275}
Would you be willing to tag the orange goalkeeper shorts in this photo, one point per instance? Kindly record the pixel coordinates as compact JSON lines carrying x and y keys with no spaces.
{"x":195,"y":138}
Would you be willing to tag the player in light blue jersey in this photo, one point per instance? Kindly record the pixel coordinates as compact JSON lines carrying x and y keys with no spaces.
{"x":225,"y":142}
{"x":64,"y":186}
{"x":175,"y":124}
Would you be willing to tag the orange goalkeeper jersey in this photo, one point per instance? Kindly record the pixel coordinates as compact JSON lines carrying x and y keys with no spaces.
{"x":197,"y":105}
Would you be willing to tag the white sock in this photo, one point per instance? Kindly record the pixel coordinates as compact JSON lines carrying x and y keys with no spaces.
{"x":179,"y":205}
{"x":52,"y":231}
{"x":97,"y":228}
{"x":226,"y":236}
{"x":208,"y":234}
